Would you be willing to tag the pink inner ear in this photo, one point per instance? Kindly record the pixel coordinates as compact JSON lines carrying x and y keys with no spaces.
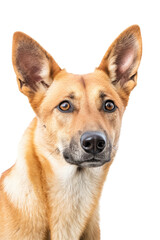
{"x":126,"y":61}
{"x":29,"y":65}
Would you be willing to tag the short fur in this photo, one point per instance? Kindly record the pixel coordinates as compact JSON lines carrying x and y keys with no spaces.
{"x":43,"y":196}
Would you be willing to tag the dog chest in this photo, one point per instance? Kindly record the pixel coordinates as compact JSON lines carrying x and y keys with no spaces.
{"x":72,"y":200}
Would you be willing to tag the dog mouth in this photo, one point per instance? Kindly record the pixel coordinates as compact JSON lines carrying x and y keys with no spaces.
{"x":91,"y":162}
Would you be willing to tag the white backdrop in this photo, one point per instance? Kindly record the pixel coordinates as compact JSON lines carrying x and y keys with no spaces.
{"x":77,"y":34}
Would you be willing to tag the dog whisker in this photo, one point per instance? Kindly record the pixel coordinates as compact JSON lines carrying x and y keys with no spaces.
{"x":115,"y":147}
{"x":54,"y":151}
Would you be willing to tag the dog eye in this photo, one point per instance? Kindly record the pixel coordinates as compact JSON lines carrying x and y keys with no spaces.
{"x":109,"y":106}
{"x":65,"y":106}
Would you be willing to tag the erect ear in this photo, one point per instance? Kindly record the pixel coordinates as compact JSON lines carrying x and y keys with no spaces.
{"x":122,"y":60}
{"x":34,"y":67}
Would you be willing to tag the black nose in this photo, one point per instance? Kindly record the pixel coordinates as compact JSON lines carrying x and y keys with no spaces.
{"x":93,"y":142}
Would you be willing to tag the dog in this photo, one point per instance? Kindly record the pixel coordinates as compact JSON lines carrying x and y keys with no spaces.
{"x":53,"y":190}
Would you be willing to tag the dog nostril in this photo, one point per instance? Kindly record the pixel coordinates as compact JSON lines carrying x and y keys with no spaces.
{"x":87,"y":144}
{"x":101,"y":144}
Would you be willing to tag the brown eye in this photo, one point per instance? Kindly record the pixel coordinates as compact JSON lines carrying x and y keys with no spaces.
{"x":109,"y":106}
{"x":65,"y":106}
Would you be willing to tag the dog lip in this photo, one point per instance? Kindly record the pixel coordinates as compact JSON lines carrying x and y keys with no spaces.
{"x":92,"y":160}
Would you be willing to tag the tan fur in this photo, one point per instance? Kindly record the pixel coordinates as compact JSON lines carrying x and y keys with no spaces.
{"x":42,"y":196}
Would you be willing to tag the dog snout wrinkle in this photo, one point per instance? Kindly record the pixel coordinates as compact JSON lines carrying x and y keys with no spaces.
{"x":93,"y":142}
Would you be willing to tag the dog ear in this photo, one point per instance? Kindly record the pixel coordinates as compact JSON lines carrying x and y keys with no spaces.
{"x":122,"y":60}
{"x":34,"y":67}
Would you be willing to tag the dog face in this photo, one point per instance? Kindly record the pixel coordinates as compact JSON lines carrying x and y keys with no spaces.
{"x":79,"y":115}
{"x":85,"y":115}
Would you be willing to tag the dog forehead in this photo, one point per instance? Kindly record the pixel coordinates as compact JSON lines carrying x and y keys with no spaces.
{"x":98,"y":80}
{"x":74,"y":86}
{"x":67,"y":84}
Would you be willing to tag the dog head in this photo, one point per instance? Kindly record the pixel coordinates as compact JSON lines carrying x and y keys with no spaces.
{"x":79,"y":116}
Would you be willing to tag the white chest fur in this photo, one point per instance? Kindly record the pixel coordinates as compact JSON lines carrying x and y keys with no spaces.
{"x":72,"y":199}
